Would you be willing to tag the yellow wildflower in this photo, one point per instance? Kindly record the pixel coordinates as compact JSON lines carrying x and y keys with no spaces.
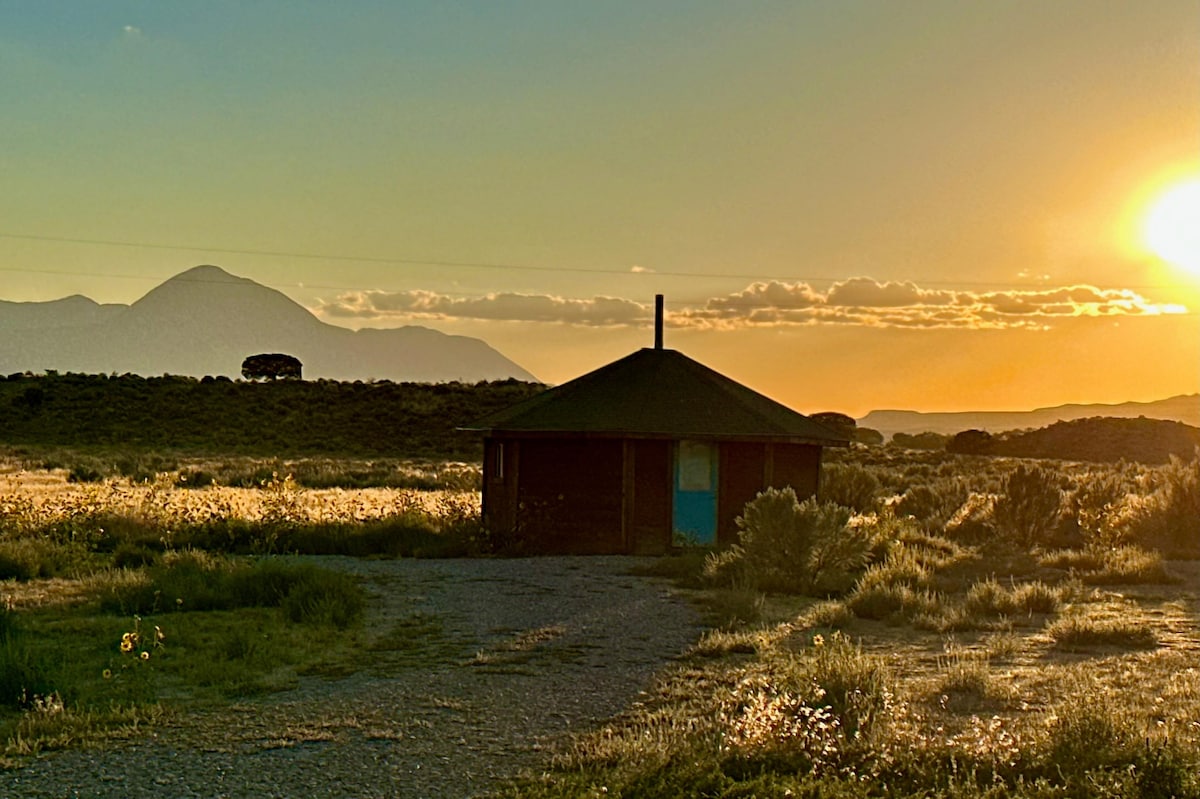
{"x":145,"y":656}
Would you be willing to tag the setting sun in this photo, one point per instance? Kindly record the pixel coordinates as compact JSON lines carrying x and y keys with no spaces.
{"x":1172,"y":226}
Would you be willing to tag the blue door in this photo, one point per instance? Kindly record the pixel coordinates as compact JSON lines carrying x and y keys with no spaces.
{"x":695,"y":500}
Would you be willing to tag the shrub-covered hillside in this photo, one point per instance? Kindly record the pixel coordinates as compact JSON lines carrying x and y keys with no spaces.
{"x":1097,"y":439}
{"x":287,"y":417}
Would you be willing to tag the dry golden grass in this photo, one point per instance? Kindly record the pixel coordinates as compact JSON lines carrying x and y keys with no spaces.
{"x":1007,"y":702}
{"x":38,"y":499}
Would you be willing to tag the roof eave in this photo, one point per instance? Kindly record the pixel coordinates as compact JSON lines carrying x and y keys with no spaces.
{"x":770,"y":438}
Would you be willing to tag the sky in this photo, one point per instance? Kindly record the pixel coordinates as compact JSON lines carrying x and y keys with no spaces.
{"x":848,"y":204}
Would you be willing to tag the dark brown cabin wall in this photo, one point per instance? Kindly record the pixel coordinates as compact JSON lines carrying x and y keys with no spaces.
{"x":798,"y":466}
{"x":569,"y":495}
{"x":651,"y":497}
{"x":499,"y":495}
{"x":742,"y":476}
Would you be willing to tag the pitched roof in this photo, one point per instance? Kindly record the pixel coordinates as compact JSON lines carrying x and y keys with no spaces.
{"x":658,"y":393}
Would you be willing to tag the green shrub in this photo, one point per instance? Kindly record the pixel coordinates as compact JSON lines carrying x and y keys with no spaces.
{"x":849,"y":485}
{"x":28,"y":558}
{"x":128,"y":555}
{"x":735,"y":607}
{"x":932,"y":505}
{"x":1170,"y":519}
{"x":1027,"y":510}
{"x":84,"y":473}
{"x":194,"y":478}
{"x":326,"y":598}
{"x":1093,"y":509}
{"x":794,"y":547}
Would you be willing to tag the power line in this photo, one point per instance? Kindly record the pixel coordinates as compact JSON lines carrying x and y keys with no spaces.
{"x":456,"y":264}
{"x":373,"y":259}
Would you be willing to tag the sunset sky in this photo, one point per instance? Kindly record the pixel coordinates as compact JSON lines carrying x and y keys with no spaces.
{"x":933,"y":205}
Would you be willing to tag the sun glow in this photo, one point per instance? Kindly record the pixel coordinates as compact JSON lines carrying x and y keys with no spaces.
{"x":1171,"y":227}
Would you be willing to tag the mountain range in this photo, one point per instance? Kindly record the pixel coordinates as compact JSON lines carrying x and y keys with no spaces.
{"x":205,"y":321}
{"x":1184,"y":408}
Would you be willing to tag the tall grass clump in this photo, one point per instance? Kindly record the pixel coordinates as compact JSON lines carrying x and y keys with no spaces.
{"x":28,"y":558}
{"x":22,"y":675}
{"x":806,"y":712}
{"x":965,"y":682}
{"x":1087,"y":735}
{"x":901,"y":585}
{"x":1125,"y":565}
{"x":789,"y":546}
{"x":198,"y":581}
{"x":1076,"y":632}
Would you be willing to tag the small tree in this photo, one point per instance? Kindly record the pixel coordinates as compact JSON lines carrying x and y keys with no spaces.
{"x":868,"y":436}
{"x":932,"y":441}
{"x":970,"y":442}
{"x":272,"y":366}
{"x":837,"y":422}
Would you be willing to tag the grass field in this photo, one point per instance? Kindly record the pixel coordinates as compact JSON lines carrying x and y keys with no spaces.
{"x":1007,"y":629}
{"x":1100,"y":697}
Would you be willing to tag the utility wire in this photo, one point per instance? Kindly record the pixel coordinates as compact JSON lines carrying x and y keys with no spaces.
{"x":454,"y":264}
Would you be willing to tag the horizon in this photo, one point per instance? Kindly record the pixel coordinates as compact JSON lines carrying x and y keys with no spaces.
{"x":852,"y":207}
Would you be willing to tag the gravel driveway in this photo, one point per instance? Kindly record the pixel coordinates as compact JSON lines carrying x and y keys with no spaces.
{"x":487,"y":665}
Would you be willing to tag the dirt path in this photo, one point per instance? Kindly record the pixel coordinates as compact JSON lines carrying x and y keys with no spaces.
{"x":480,"y":667}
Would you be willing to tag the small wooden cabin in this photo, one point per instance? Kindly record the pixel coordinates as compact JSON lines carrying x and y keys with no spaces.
{"x":641,"y":453}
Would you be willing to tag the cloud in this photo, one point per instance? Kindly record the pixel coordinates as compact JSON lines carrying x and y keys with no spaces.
{"x":866,"y":302}
{"x":132,"y":31}
{"x":597,"y":312}
{"x":858,"y":301}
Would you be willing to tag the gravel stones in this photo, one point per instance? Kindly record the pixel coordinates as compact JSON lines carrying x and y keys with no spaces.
{"x":479,"y":668}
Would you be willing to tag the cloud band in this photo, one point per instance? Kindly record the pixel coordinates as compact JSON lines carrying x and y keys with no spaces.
{"x":859,"y":301}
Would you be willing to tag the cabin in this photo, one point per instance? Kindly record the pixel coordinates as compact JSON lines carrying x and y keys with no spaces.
{"x":650,"y":451}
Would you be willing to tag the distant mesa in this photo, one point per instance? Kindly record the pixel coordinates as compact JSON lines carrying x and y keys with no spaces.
{"x":1184,"y":408}
{"x":206,"y":321}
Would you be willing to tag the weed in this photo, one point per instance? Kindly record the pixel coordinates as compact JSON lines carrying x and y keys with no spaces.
{"x":965,"y":682}
{"x":1079,"y":632}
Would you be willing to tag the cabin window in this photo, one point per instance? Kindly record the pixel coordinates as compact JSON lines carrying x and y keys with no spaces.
{"x":498,"y":461}
{"x":695,"y":466}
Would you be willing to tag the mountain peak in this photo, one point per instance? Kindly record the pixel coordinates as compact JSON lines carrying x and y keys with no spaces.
{"x":205,"y":321}
{"x":207,"y":273}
